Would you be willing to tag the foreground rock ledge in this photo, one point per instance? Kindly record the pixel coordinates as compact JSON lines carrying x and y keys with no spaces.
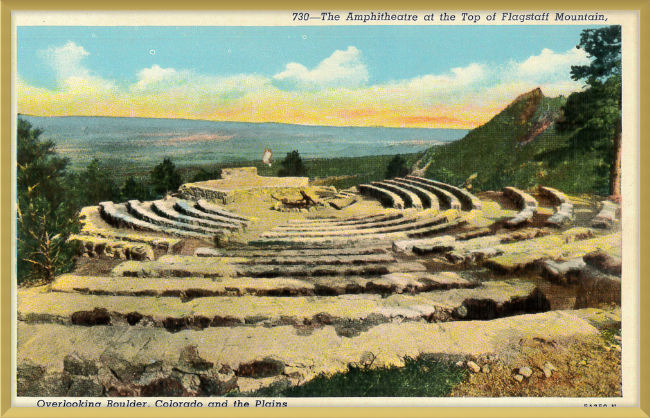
{"x":109,"y":361}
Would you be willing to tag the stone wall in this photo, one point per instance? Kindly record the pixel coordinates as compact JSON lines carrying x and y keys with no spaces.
{"x":195,"y":192}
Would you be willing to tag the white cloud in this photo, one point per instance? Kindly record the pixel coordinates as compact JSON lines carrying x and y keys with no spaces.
{"x":342,"y":68}
{"x":186,"y":82}
{"x":154,"y":75}
{"x":460,"y":77}
{"x":72,"y":75}
{"x":67,"y":60}
{"x":549,"y":65}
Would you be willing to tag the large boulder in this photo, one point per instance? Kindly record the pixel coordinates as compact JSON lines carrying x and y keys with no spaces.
{"x":605,"y":262}
{"x":597,"y":288}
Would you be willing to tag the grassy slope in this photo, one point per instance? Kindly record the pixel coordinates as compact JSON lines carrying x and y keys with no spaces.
{"x":493,"y":151}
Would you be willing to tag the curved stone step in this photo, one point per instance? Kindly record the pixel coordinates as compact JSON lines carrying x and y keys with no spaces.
{"x":117,"y":217}
{"x":208,"y":207}
{"x":522,"y":199}
{"x":447,"y":198}
{"x":488,"y":301}
{"x":556,"y":196}
{"x":166,"y":210}
{"x":563,"y":272}
{"x":606,"y":217}
{"x":196,"y":287}
{"x":210,"y":267}
{"x":522,"y":217}
{"x":416,"y":223}
{"x":302,"y":253}
{"x":136,"y":209}
{"x":185,"y":208}
{"x":436,"y":229}
{"x":386,"y":197}
{"x":411,"y":200}
{"x":94,"y":226}
{"x":370,"y":220}
{"x":525,"y":202}
{"x":468,"y":200}
{"x":367,"y":239}
{"x":433,"y":244}
{"x":402,"y":220}
{"x":337,"y":259}
{"x":429,"y":199}
{"x":345,"y":221}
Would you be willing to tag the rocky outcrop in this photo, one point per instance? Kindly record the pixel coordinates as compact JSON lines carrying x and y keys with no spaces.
{"x":59,"y":360}
{"x":92,"y":246}
{"x":117,"y":372}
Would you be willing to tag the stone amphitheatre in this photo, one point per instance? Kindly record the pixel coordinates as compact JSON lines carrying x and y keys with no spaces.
{"x":246,"y":281}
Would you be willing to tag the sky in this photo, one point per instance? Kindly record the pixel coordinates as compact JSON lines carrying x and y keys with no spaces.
{"x":396,"y":76}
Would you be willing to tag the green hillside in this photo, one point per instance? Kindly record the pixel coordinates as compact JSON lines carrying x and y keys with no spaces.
{"x":519,"y":147}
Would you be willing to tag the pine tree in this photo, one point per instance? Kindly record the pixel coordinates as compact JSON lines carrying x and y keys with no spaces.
{"x":595,"y":113}
{"x":397,"y":167}
{"x":292,"y":165}
{"x":94,"y":185}
{"x":132,"y":189}
{"x":46,"y":210}
{"x":165,"y":177}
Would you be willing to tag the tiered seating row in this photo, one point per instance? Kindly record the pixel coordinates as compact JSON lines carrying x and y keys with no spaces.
{"x":373,"y":237}
{"x":468,"y":200}
{"x":136,"y":209}
{"x":564,"y":210}
{"x":411,"y":200}
{"x":428,"y":199}
{"x":116,"y":217}
{"x":408,"y":224}
{"x":556,"y":196}
{"x":521,"y":198}
{"x":380,"y":223}
{"x":386,"y":197}
{"x":166,"y":210}
{"x":205,"y":206}
{"x":192,"y":266}
{"x":606,"y":218}
{"x":196,"y":287}
{"x":357,"y":220}
{"x":302,"y":252}
{"x":186,"y":209}
{"x":527,"y":204}
{"x":77,"y":309}
{"x":92,"y":225}
{"x":448,"y":199}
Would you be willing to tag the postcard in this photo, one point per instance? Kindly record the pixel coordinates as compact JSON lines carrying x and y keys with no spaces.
{"x":269,"y":209}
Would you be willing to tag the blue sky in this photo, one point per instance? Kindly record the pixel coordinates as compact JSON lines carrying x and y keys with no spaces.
{"x":288,"y":58}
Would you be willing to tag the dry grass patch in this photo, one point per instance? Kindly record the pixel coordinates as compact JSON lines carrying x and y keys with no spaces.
{"x":582,"y":369}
